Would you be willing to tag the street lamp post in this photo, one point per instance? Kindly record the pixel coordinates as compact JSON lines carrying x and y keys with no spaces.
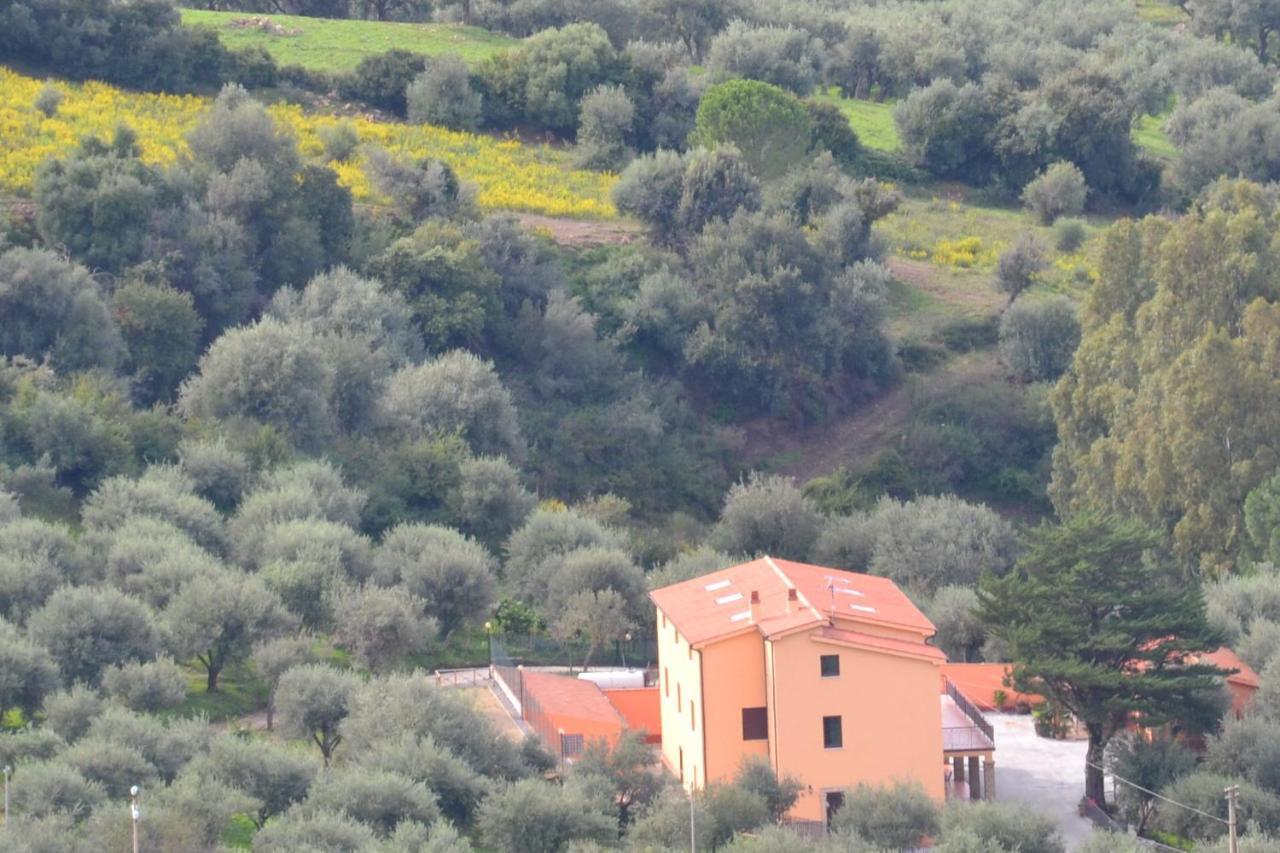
{"x":135,"y":814}
{"x":626,"y":638}
{"x":8,"y":771}
{"x":488,"y":633}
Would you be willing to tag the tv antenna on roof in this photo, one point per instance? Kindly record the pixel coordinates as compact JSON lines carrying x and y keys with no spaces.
{"x":831,"y":588}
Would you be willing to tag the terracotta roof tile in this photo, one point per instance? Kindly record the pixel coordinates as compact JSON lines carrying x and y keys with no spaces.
{"x":718,"y":605}
{"x":564,"y":695}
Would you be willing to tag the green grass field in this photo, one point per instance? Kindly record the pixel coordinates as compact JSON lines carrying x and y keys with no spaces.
{"x":1150,"y":136}
{"x":871,"y":120}
{"x":325,"y":44}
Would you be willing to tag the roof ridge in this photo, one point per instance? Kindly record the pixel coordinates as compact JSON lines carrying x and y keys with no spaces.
{"x":791,"y":585}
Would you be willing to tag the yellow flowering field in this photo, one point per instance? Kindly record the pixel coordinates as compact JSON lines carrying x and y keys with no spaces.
{"x":507,"y":175}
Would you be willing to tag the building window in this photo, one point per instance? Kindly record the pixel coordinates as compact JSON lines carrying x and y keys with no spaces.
{"x":572,"y":745}
{"x":830,"y":666}
{"x":679,"y":699}
{"x":693,"y":715}
{"x":681,"y":752}
{"x":755,"y":723}
{"x":832,"y":733}
{"x":666,"y":681}
{"x":835,"y":799}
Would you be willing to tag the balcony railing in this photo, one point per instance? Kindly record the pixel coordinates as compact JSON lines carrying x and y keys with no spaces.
{"x":971,"y":711}
{"x":965,"y":739}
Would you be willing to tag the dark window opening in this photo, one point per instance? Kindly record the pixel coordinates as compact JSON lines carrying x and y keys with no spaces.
{"x":830,"y":666}
{"x":755,"y":723}
{"x":832,"y":732}
{"x":835,"y":799}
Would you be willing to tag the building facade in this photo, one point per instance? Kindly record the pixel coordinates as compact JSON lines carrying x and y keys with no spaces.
{"x":824,"y":673}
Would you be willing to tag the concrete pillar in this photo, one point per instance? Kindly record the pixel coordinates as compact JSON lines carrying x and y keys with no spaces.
{"x":989,"y":778}
{"x":958,"y":764}
{"x":975,"y":778}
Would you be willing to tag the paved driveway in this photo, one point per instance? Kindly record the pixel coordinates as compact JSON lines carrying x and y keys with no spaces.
{"x":1047,"y":775}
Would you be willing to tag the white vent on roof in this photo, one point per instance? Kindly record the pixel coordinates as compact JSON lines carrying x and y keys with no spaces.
{"x":738,"y":617}
{"x":712,"y":587}
{"x":864,"y":608}
{"x":725,"y":599}
{"x":848,"y":591}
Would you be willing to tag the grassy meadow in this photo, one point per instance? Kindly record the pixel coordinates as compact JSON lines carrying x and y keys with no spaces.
{"x":324,"y":44}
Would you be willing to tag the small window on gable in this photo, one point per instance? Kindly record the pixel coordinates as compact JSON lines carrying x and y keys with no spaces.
{"x":830,"y":666}
{"x":832,"y":732}
{"x":755,"y":723}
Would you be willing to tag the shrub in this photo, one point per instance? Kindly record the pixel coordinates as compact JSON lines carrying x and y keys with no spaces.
{"x":605,"y":128}
{"x":1039,"y":337}
{"x":895,"y":817}
{"x":1069,"y":234}
{"x":1059,"y":190}
{"x":1202,"y":790}
{"x":442,"y":94}
{"x":1001,"y":826}
{"x":1020,"y":265}
{"x":767,"y":124}
{"x":48,"y":99}
{"x":382,"y":80}
{"x":340,"y":141}
{"x":533,"y":816}
{"x":252,"y":67}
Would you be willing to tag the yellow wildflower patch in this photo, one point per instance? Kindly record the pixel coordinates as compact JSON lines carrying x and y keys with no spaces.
{"x":964,"y":253}
{"x":506,"y":174}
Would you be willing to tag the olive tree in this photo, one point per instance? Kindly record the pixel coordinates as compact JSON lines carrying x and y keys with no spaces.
{"x":1038,"y":337}
{"x":152,"y":686}
{"x":88,"y":629}
{"x":767,"y":515}
{"x":275,"y":776}
{"x":312,"y":701}
{"x":492,"y":501}
{"x":273,"y":372}
{"x":53,"y":309}
{"x":605,"y":128}
{"x":218,"y":617}
{"x":27,"y":672}
{"x":532,"y":816}
{"x":381,"y":626}
{"x":1059,"y":190}
{"x":377,"y":798}
{"x":452,"y":575}
{"x":455,"y":393}
{"x":932,"y":542}
{"x":442,"y":94}
{"x":1020,"y":265}
{"x":273,"y":657}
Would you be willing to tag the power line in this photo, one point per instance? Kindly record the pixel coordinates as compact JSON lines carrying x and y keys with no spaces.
{"x":1159,"y":796}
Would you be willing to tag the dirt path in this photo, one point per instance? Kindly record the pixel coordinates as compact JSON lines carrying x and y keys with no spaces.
{"x":852,"y":440}
{"x":583,"y":232}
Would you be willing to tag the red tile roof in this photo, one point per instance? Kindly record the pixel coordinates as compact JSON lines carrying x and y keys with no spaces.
{"x":718,"y":605}
{"x":1227,"y":659}
{"x":563,"y":695}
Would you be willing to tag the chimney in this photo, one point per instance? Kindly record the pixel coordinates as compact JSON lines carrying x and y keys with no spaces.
{"x":793,"y":599}
{"x":755,"y":605}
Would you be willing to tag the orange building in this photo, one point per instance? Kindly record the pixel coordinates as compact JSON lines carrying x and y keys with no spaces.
{"x":824,"y":673}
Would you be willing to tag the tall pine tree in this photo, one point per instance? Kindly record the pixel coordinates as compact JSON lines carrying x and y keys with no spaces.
{"x":1099,"y":625}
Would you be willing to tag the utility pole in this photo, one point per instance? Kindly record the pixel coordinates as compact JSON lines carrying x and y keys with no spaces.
{"x":1233,"y":843}
{"x":135,"y":814}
